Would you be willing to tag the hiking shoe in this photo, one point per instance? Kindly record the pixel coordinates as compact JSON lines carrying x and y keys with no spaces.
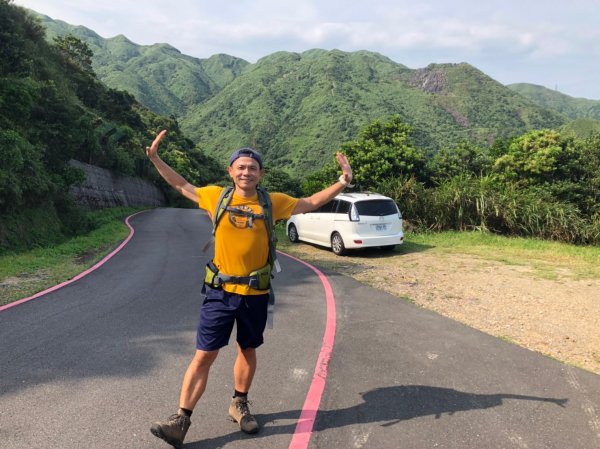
{"x":240,"y":413}
{"x":173,"y":430}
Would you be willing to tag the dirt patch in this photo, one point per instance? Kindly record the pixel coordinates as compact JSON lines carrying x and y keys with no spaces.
{"x":15,"y":281}
{"x":17,"y":287}
{"x":550,"y":312}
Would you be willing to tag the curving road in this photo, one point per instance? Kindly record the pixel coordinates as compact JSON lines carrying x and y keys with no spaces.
{"x":92,"y":364}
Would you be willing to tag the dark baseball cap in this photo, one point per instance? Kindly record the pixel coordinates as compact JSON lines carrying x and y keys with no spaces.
{"x":246,"y":152}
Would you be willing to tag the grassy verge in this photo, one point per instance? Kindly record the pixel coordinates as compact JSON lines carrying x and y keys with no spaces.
{"x":545,"y":256}
{"x":26,"y":273}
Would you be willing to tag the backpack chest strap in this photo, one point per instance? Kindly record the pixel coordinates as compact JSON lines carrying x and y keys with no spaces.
{"x":250,"y":215}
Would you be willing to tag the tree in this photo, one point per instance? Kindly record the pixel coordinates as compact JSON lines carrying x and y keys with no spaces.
{"x":76,"y":51}
{"x":553,"y":165}
{"x":590,"y":164}
{"x":277,"y":180}
{"x":384,"y":150}
{"x":530,"y":158}
{"x":23,"y":179}
{"x":18,"y":31}
{"x":466,"y":159}
{"x":540,"y":157}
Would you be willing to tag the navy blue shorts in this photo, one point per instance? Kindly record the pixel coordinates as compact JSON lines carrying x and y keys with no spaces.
{"x":221,"y":309}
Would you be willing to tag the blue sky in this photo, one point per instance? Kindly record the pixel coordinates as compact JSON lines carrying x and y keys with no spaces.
{"x":552,"y":43}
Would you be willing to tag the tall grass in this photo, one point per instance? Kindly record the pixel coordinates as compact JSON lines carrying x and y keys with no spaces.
{"x":482,"y":203}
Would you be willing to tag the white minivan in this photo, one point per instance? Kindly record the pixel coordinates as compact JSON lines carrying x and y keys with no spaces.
{"x":349,"y":221}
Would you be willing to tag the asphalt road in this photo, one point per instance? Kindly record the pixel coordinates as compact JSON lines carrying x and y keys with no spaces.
{"x":91,"y":365}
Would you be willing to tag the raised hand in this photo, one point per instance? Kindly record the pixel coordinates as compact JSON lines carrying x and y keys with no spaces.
{"x":345,"y":166}
{"x":152,"y":150}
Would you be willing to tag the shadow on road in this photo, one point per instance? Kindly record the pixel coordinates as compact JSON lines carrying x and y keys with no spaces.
{"x":395,"y":404}
{"x":377,"y":253}
{"x":365,"y":253}
{"x":387,"y":406}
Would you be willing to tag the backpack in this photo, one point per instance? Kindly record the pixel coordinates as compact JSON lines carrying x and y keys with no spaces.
{"x":259,"y":278}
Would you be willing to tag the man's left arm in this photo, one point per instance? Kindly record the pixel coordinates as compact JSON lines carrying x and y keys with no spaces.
{"x":318,"y":199}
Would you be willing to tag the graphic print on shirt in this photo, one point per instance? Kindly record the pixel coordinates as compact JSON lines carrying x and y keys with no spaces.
{"x":240,"y":221}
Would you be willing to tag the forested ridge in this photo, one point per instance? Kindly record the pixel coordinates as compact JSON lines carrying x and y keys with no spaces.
{"x":454,"y":148}
{"x":573,"y":108}
{"x":53,"y":109}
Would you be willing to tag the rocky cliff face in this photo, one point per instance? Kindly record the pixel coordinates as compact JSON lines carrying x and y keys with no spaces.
{"x":102,"y":188}
{"x":430,"y":80}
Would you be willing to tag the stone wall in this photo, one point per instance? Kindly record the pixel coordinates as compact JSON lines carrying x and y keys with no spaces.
{"x":102,"y":188}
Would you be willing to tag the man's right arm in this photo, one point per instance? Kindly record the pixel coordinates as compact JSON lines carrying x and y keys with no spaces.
{"x":327,"y":194}
{"x":173,"y":178}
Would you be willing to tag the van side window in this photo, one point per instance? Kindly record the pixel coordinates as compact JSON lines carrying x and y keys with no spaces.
{"x":343,"y":207}
{"x":328,"y":207}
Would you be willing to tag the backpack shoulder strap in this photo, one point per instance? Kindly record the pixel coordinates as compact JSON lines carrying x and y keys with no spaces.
{"x":224,"y":200}
{"x":222,"y":205}
{"x":265,"y":202}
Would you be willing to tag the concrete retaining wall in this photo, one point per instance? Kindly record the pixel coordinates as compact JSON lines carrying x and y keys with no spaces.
{"x":102,"y":188}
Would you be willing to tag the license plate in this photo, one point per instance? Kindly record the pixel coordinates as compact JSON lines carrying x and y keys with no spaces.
{"x":380,"y":227}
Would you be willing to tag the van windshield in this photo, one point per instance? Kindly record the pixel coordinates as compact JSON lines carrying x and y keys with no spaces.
{"x":376,"y":208}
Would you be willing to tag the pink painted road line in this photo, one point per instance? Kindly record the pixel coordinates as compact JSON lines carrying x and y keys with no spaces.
{"x":304,"y":428}
{"x":80,"y":275}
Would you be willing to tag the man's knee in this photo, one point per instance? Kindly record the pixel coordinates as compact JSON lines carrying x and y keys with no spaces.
{"x":246,"y":352}
{"x":204,"y":359}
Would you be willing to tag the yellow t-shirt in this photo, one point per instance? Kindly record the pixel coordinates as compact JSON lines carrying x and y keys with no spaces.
{"x":240,"y":249}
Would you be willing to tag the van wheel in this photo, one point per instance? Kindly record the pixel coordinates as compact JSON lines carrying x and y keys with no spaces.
{"x":337,"y":244}
{"x":293,"y":234}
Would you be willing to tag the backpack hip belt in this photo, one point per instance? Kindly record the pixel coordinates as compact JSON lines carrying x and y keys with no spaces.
{"x":259,"y":279}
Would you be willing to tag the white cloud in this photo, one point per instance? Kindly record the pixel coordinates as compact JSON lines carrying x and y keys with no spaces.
{"x":492,"y":35}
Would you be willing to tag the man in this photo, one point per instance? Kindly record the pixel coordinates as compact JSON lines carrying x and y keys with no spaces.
{"x":241,"y":248}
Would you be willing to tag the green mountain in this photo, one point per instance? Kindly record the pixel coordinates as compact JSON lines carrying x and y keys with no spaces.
{"x":158,"y":76}
{"x":297,"y":108}
{"x":582,"y":127}
{"x":573,"y":108}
